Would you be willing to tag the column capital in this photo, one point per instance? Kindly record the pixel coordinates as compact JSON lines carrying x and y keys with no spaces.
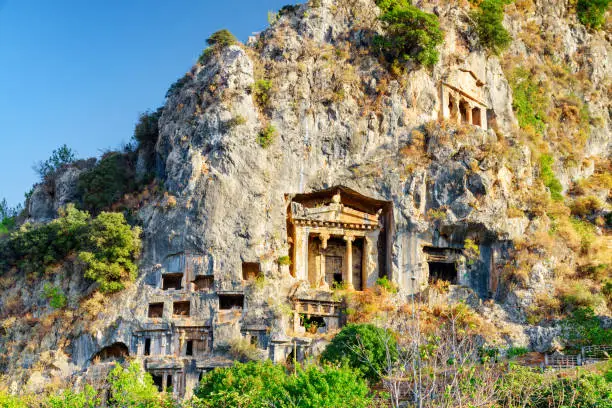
{"x":324,"y":237}
{"x":348,"y":238}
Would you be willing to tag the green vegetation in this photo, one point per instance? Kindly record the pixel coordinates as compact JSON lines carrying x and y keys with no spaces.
{"x":217,"y":42}
{"x":548,"y":177}
{"x":266,"y":136}
{"x":284,"y":260}
{"x":57,"y":299}
{"x":529,"y":100}
{"x":7,"y":216}
{"x":410,"y":33}
{"x":131,"y":387}
{"x":359,"y":343}
{"x":263,"y":384}
{"x":471,"y":250}
{"x":106,"y":244}
{"x":60,"y":157}
{"x":385,"y":283}
{"x":146,"y":133}
{"x":592,"y":13}
{"x":583,"y":328}
{"x":261,"y":92}
{"x":516,"y":352}
{"x":488,"y":24}
{"x":106,"y":183}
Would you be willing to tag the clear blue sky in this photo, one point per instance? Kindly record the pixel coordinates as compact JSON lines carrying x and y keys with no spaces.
{"x":80,"y":71}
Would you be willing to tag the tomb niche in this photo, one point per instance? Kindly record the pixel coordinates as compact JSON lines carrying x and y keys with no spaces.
{"x":339,"y":238}
{"x":462,"y":98}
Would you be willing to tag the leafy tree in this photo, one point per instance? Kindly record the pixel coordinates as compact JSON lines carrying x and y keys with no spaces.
{"x":583,"y":328}
{"x":217,"y":42}
{"x":111,"y":248}
{"x":105,"y":184}
{"x":592,"y":13}
{"x":327,"y":387}
{"x":264,"y":384}
{"x":363,"y":347}
{"x":131,"y":387}
{"x":146,"y":131}
{"x":60,"y":157}
{"x":488,"y":24}
{"x":7,"y":216}
{"x":411,"y":34}
{"x":87,"y":398}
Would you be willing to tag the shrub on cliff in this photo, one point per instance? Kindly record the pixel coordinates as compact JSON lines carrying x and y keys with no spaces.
{"x":363,"y":347}
{"x":548,"y":177}
{"x":107,"y":245}
{"x":217,"y":42}
{"x":60,"y":157}
{"x":592,"y":13}
{"x":106,"y":183}
{"x":410,"y":33}
{"x":488,"y":20}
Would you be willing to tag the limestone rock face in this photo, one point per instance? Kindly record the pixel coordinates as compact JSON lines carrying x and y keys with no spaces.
{"x":339,"y":118}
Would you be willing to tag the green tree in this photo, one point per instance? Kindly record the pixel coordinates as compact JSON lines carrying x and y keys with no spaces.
{"x":109,"y":181}
{"x":410,"y":33}
{"x":488,"y":24}
{"x":88,"y":398}
{"x":131,"y":387}
{"x":111,"y":247}
{"x":592,"y":13}
{"x":363,"y":347}
{"x":217,"y":42}
{"x":583,"y":328}
{"x":60,"y":157}
{"x":146,"y":131}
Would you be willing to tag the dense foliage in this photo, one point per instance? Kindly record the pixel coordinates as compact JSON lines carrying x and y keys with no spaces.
{"x":583,"y":328}
{"x":146,"y":132}
{"x":217,"y":42}
{"x":60,"y":157}
{"x":363,"y":347}
{"x":258,"y":384}
{"x":106,"y":183}
{"x":8,"y":215}
{"x":592,"y":13}
{"x":410,"y":33}
{"x":266,"y":136}
{"x":106,"y":244}
{"x":488,"y":20}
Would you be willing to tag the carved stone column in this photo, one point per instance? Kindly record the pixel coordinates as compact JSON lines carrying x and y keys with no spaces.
{"x":348,"y":270}
{"x":468,"y":113}
{"x":321,"y":279}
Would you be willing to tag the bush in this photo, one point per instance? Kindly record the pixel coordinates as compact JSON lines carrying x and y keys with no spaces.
{"x":385,"y":283}
{"x":363,"y":347}
{"x":549,"y":179}
{"x":583,"y":328}
{"x":146,"y":131}
{"x":87,"y":398}
{"x":516,"y":352}
{"x":529,"y":100}
{"x":266,"y":136}
{"x":217,"y":42}
{"x":131,"y":387}
{"x":263,"y":384}
{"x":111,"y":247}
{"x":8,"y":216}
{"x":57,"y":299}
{"x":108,"y":182}
{"x":592,"y":13}
{"x":411,"y":34}
{"x":106,"y":244}
{"x":261,"y":91}
{"x":488,"y":25}
{"x":60,"y":157}
{"x":586,"y":206}
{"x":284,"y":260}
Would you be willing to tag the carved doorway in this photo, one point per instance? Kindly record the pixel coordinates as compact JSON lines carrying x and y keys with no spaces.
{"x":333,"y":270}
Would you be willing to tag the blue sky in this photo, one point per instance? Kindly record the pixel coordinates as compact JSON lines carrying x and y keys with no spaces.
{"x":79,"y":72}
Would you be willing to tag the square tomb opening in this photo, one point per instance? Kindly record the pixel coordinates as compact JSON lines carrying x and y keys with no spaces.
{"x":204,"y":283}
{"x":250,"y":270}
{"x":181,"y":309}
{"x":172,"y":281}
{"x":446,"y":271}
{"x":156,"y":310}
{"x":228,"y":302}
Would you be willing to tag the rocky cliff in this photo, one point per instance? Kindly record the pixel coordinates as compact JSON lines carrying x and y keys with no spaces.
{"x":336,"y":116}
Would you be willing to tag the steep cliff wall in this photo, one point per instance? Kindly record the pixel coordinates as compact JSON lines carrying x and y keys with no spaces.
{"x":341,"y":117}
